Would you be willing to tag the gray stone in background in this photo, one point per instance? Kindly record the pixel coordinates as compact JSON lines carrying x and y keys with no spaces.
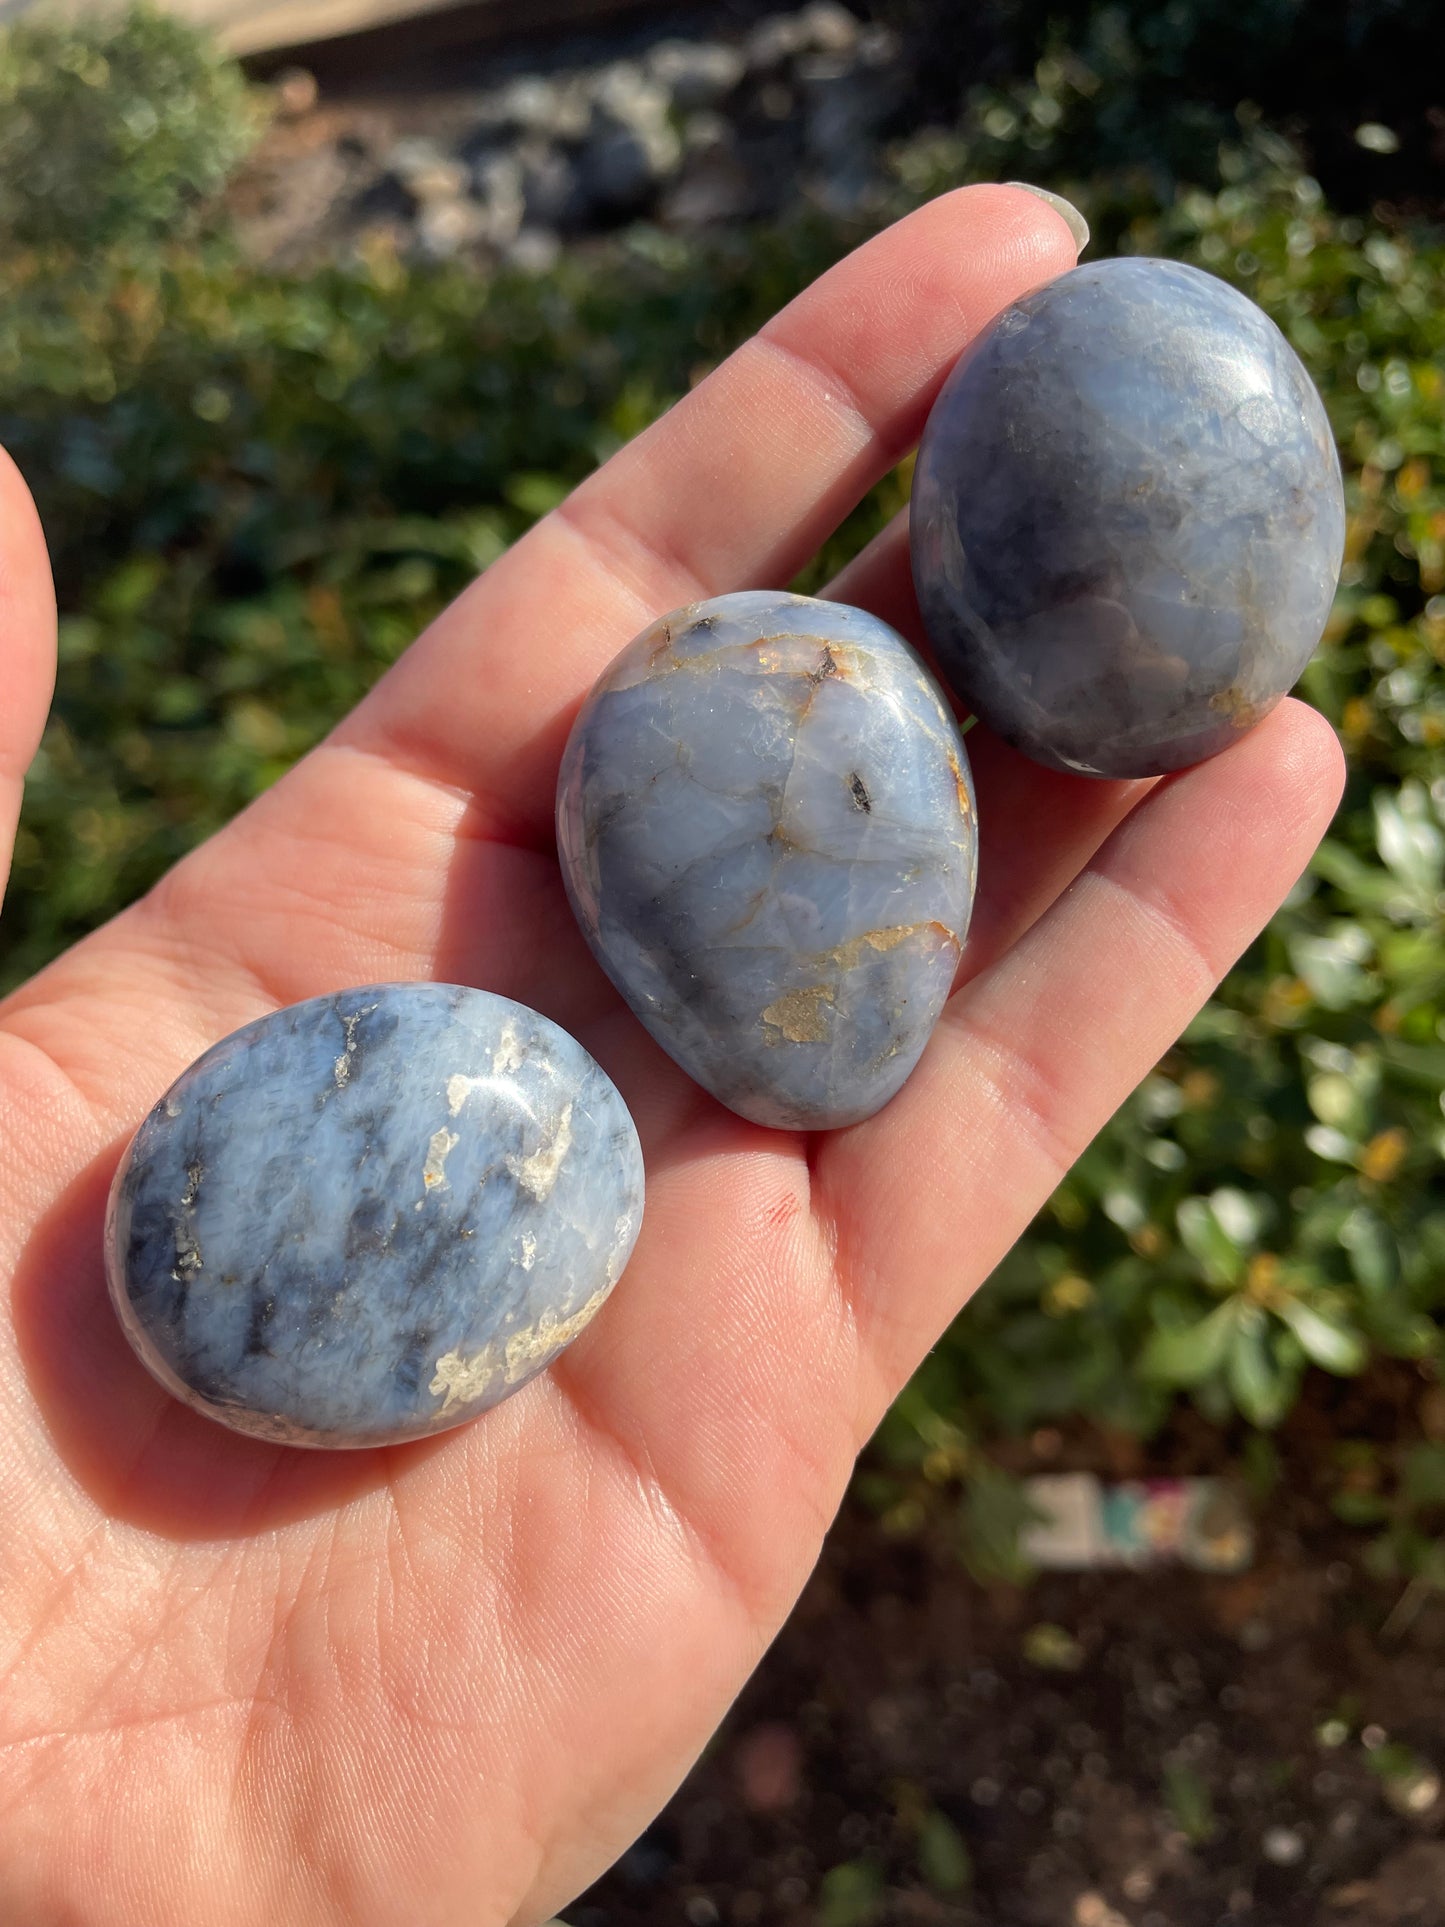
{"x":371,"y":1216}
{"x":687,"y":132}
{"x":1128,"y":519}
{"x":696,"y":73}
{"x":767,"y":831}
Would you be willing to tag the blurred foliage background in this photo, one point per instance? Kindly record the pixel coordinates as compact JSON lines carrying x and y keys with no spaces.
{"x":260,"y":486}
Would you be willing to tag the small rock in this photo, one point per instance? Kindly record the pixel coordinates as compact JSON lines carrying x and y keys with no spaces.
{"x":439,"y":181}
{"x":556,"y":108}
{"x":820,"y":28}
{"x":843,"y":115}
{"x":444,"y":228}
{"x":412,"y":156}
{"x":829,"y":28}
{"x":1413,"y":1792}
{"x":820,"y":69}
{"x":535,"y":251}
{"x":1344,"y":1820}
{"x":530,"y":103}
{"x":704,"y":133}
{"x":780,"y":37}
{"x":620,"y":168}
{"x":714,"y":188}
{"x":498,"y":185}
{"x":1092,"y":1910}
{"x":551,"y":193}
{"x":1283,"y":1846}
{"x":1404,"y":1888}
{"x":296,"y":92}
{"x":770,"y":1768}
{"x":775,"y":101}
{"x":714,"y":184}
{"x":623,"y":92}
{"x":633,"y":146}
{"x":616,"y":172}
{"x":877,"y":47}
{"x":386,"y":201}
{"x":696,"y":74}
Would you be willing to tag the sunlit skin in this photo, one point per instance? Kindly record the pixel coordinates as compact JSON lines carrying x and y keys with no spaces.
{"x":448,"y":1683}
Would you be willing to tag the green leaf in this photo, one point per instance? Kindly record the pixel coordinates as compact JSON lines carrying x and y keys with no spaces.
{"x":1260,"y":1385}
{"x":1422,"y":1479}
{"x":1409,"y":840}
{"x":1363,"y":885}
{"x":994,"y":1511}
{"x":1053,"y":1649}
{"x":1338,"y":1101}
{"x":536,"y":495}
{"x":1330,"y":966}
{"x":1326,"y":1339}
{"x":1188,"y":1799}
{"x":851,"y":1895}
{"x":943,"y":1857}
{"x":1241,"y":1215}
{"x":1374,"y":1252}
{"x":1205,"y":1238}
{"x":1399,"y":1331}
{"x":1260,"y":1463}
{"x":1359,"y":1508}
{"x":1185,"y":1355}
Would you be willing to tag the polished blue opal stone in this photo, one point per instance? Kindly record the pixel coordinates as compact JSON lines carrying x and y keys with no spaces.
{"x":1127,"y":519}
{"x":767,"y":832}
{"x":371,"y":1216}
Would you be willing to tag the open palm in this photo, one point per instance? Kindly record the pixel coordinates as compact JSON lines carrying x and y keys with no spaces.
{"x":448,"y":1682}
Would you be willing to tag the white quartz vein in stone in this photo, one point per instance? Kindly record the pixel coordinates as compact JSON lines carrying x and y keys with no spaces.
{"x":433,"y":1171}
{"x":537,"y":1174}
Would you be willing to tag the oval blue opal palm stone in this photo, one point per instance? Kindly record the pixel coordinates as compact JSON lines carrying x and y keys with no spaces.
{"x":767,"y":831}
{"x":369,"y":1217}
{"x":1127,"y":519}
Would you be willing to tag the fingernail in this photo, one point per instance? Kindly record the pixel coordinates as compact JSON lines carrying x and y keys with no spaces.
{"x":1066,"y":211}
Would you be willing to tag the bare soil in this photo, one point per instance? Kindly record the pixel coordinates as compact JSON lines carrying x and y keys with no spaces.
{"x":1182,"y":1751}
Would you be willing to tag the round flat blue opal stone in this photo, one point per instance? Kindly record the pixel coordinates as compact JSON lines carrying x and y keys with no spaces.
{"x":767,"y":831}
{"x":1128,"y":519}
{"x":371,"y":1216}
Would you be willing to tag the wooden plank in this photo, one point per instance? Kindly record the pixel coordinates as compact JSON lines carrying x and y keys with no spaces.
{"x":262,"y":31}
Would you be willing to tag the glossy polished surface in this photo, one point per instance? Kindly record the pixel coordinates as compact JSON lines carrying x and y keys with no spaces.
{"x":371,"y":1216}
{"x":1127,"y":519}
{"x":767,"y":832}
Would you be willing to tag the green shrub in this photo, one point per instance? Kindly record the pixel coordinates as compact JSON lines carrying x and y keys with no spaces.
{"x":1095,"y":86}
{"x":112,"y":132}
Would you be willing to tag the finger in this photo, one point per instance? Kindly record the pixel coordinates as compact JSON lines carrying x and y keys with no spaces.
{"x":1038,"y":827}
{"x":27,"y":645}
{"x":735,"y":487}
{"x":1036,"y":1053}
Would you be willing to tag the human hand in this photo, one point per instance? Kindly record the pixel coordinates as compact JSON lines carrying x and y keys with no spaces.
{"x":448,"y":1682}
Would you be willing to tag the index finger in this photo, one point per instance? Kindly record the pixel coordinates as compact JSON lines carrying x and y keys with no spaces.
{"x":735,"y":487}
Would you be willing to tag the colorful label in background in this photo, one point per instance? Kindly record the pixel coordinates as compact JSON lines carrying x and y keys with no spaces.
{"x":1083,"y":1523}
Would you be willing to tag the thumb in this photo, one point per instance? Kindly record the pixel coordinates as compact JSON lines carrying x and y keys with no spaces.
{"x":27,"y":646}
